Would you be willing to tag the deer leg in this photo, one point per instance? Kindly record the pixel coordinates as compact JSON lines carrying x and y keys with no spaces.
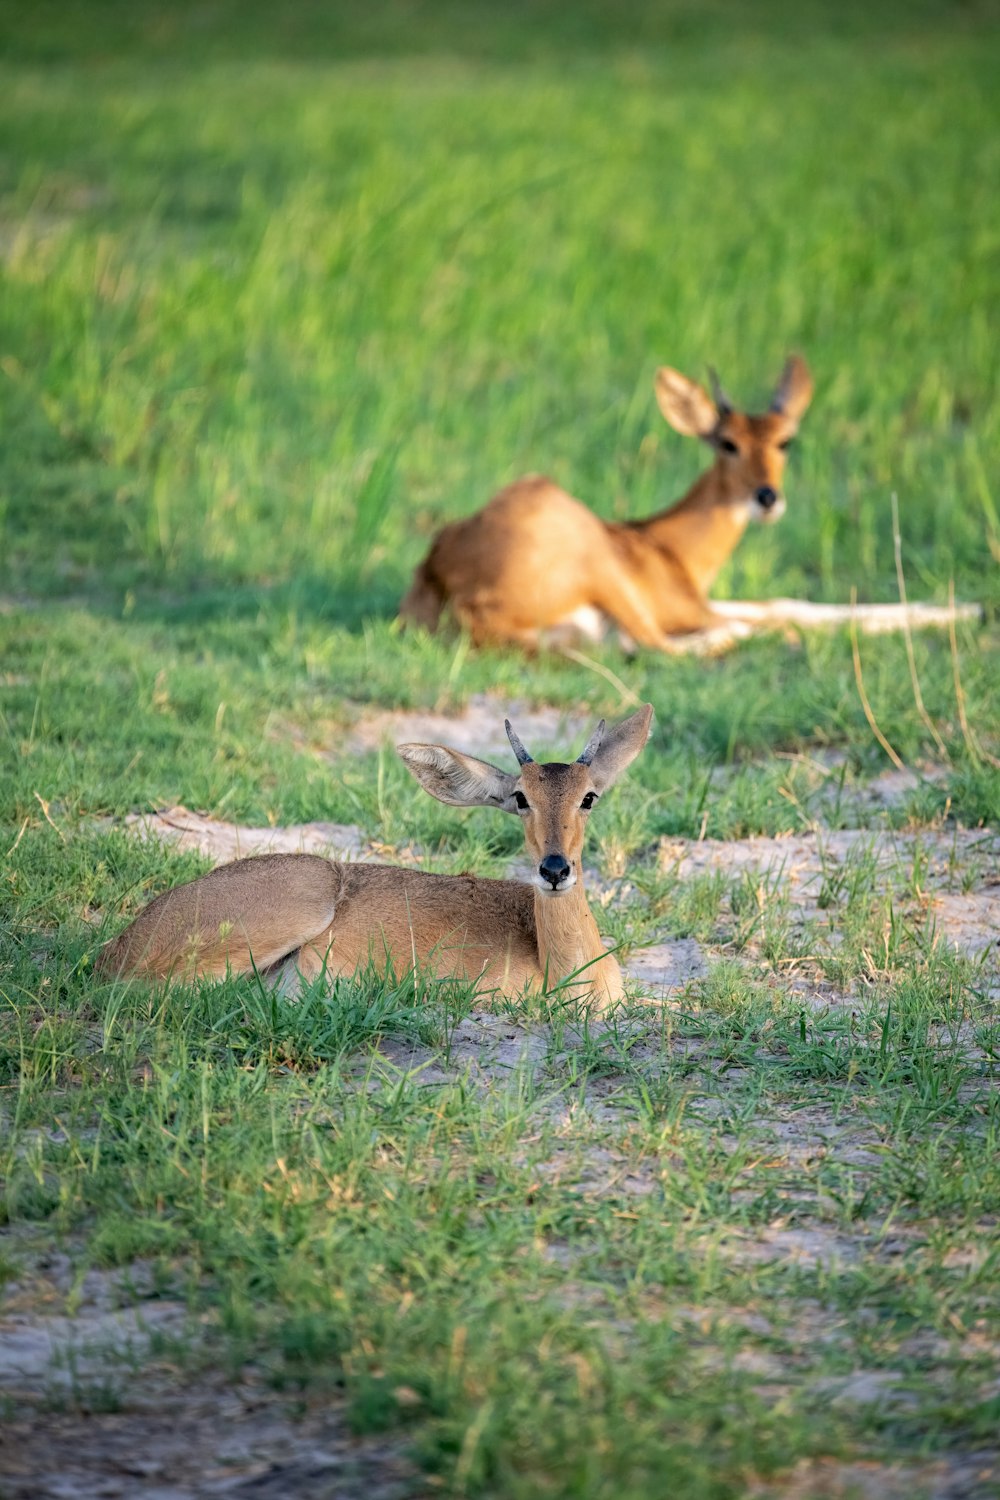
{"x":626,"y":606}
{"x":694,"y":626}
{"x":318,"y":955}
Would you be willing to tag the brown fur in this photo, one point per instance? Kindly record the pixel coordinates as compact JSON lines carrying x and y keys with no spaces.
{"x":522,"y":568}
{"x":305,"y":914}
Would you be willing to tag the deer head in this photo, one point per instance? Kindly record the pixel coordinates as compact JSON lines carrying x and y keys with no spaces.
{"x":552,"y":799}
{"x":751,"y":451}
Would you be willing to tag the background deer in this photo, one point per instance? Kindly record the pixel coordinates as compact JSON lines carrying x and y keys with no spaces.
{"x":535,"y":566}
{"x":292,"y":915}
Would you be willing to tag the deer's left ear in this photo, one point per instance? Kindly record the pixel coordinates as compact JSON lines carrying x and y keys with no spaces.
{"x":458,"y":779}
{"x":620,"y":746}
{"x":794,"y":390}
{"x":688,"y":408}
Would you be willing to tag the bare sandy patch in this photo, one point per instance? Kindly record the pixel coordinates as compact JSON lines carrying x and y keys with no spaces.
{"x":971,"y":1477}
{"x":193,"y":1439}
{"x":952,"y":872}
{"x":664,"y":968}
{"x":478,"y":729}
{"x":95,"y":1408}
{"x":221,"y":841}
{"x":970,"y":922}
{"x":803,"y":860}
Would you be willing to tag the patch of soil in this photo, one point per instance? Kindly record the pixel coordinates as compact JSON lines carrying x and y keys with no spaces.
{"x":668,"y":966}
{"x":955,"y":869}
{"x":971,"y":923}
{"x":223,"y":842}
{"x":971,"y":1477}
{"x":177,"y":1440}
{"x":485,"y":1047}
{"x":95,"y":1411}
{"x":477,"y":729}
{"x":804,"y":859}
{"x":57,"y":1354}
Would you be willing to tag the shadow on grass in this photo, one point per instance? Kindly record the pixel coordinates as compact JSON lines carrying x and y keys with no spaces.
{"x":521,"y":31}
{"x":313,"y":598}
{"x":335,"y":600}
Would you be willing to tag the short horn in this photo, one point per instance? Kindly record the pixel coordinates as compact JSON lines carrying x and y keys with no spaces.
{"x":515,"y":744}
{"x":592,"y":746}
{"x":719,"y":396}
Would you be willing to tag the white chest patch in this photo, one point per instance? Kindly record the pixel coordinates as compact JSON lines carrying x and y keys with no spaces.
{"x":585,"y":623}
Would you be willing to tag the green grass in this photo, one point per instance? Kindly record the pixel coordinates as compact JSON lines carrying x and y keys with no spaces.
{"x":282,"y":289}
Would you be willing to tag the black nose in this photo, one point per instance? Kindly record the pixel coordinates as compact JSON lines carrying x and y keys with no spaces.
{"x":766,"y":497}
{"x":554,"y":869}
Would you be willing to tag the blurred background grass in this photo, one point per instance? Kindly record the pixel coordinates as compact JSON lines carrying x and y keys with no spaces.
{"x":285,"y":287}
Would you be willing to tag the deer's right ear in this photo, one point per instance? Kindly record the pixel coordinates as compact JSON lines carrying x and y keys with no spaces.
{"x":458,"y":779}
{"x":689,"y":409}
{"x":794,"y":389}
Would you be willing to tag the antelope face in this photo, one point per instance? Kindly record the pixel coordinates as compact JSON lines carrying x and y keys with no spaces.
{"x":752,"y":453}
{"x":553,"y":802}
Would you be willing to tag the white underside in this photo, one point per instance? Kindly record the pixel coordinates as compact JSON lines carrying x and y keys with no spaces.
{"x":586,"y":623}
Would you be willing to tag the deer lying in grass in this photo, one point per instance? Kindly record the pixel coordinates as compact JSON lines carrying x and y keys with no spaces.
{"x":296,"y":915}
{"x":535,"y":565}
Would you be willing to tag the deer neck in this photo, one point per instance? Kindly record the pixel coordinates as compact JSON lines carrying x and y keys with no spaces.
{"x":568,"y":939}
{"x":702,"y":530}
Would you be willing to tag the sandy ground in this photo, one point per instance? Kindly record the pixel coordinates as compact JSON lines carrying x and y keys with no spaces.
{"x":478,"y":729}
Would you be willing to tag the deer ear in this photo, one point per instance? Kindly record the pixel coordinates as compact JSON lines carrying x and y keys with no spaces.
{"x":620,"y":747}
{"x":458,"y":779}
{"x":688,"y":408}
{"x":794,"y":389}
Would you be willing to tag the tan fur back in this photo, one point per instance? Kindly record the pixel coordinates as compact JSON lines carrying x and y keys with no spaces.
{"x":255,"y":912}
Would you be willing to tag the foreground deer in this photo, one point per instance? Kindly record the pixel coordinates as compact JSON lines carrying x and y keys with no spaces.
{"x":291,"y":915}
{"x":535,"y":565}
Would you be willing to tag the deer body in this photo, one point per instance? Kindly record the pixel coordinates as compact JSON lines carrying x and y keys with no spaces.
{"x":535,"y":564}
{"x":292,"y":916}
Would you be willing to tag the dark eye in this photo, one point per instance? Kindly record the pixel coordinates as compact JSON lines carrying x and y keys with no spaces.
{"x":520,"y":802}
{"x":728,"y":446}
{"x":588,"y":802}
{"x":787,"y":443}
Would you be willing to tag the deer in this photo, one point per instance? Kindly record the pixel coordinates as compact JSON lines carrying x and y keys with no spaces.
{"x":536,"y":567}
{"x":291,"y":918}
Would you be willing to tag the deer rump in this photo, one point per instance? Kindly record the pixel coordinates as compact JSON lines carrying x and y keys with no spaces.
{"x":285,"y":915}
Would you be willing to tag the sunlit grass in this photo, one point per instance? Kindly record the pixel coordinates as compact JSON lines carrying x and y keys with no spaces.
{"x":282,"y":289}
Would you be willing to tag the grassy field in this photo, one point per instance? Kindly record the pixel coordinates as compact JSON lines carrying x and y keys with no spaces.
{"x":282,"y":289}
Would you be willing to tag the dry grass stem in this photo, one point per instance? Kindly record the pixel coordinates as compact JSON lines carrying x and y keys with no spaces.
{"x":626,"y":694}
{"x":918,"y":698}
{"x":859,"y":679}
